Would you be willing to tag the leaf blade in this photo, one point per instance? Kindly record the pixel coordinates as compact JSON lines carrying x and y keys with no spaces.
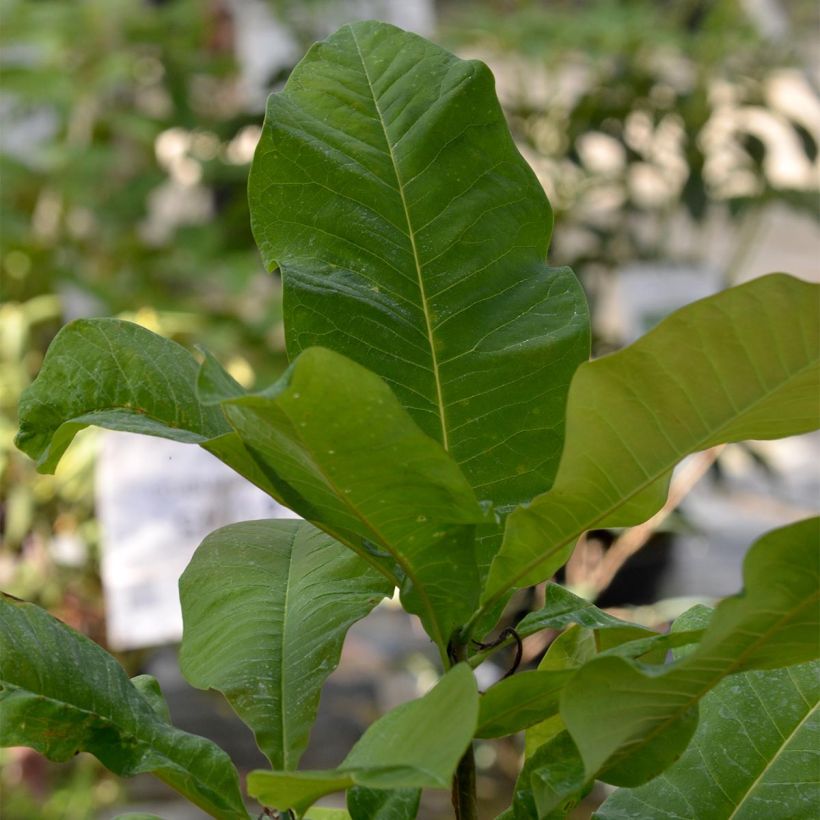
{"x":406,"y":502}
{"x":266,"y":606}
{"x":630,"y":722}
{"x":61,"y":693}
{"x":411,"y":213}
{"x":763,"y":337}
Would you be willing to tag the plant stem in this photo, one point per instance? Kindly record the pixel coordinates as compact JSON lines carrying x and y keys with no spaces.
{"x":465,"y":802}
{"x":464,"y":791}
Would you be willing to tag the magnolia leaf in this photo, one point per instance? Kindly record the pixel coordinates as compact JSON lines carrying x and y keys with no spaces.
{"x":381,"y":804}
{"x":411,"y":236}
{"x":563,"y":608}
{"x":112,"y":374}
{"x":739,"y":365}
{"x":753,"y":754}
{"x":551,"y":781}
{"x":266,"y":606}
{"x":520,"y":701}
{"x":60,"y":693}
{"x":335,"y":434}
{"x":631,"y":721}
{"x":416,"y":745}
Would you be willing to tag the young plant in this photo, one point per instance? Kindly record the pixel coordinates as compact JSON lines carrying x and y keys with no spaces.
{"x":440,"y":430}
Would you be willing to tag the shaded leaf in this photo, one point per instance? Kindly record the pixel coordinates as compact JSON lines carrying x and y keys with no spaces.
{"x":520,"y":701}
{"x":742,"y":364}
{"x":631,"y":721}
{"x":416,"y":745}
{"x":551,"y":781}
{"x":60,"y":693}
{"x":753,"y":754}
{"x":266,"y":606}
{"x":381,"y":804}
{"x":362,"y":470}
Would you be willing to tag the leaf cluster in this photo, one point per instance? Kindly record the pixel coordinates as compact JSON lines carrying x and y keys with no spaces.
{"x":440,"y":431}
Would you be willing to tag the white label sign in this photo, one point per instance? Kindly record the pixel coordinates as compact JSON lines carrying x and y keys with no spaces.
{"x":156,"y":501}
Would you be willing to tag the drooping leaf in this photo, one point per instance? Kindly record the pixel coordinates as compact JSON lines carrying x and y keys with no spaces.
{"x":266,"y":606}
{"x":411,"y":236}
{"x":631,"y":721}
{"x":60,"y":693}
{"x":739,"y":365}
{"x":336,"y":435}
{"x":114,"y":374}
{"x":416,"y":745}
{"x":754,"y":754}
{"x":383,"y":804}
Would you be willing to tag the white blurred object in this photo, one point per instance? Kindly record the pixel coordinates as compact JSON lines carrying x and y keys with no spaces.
{"x":637,"y":297}
{"x":156,"y":501}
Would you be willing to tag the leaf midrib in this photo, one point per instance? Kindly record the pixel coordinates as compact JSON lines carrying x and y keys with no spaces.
{"x":411,"y":236}
{"x":786,"y":741}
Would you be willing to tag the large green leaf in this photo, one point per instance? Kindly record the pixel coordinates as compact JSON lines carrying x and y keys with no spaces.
{"x":416,"y":745}
{"x":266,"y":606}
{"x":60,"y":693}
{"x":335,"y":434}
{"x":337,"y":448}
{"x":411,"y":236}
{"x":112,"y":374}
{"x":631,"y":721}
{"x":754,"y":755}
{"x":739,"y":365}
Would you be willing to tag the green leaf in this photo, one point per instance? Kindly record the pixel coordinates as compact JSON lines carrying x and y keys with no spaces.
{"x":551,"y":781}
{"x":754,"y":755}
{"x":411,"y":236}
{"x":318,"y":813}
{"x":364,"y":471}
{"x":112,"y":374}
{"x":60,"y":693}
{"x":563,"y":608}
{"x":266,"y":606}
{"x":631,"y":721}
{"x":742,"y":364}
{"x":520,"y":701}
{"x":381,"y":804}
{"x":416,"y":745}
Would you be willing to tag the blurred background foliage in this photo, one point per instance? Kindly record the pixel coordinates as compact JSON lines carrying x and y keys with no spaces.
{"x":661,"y":129}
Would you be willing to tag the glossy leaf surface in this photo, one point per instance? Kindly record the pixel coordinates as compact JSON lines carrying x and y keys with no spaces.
{"x":356,"y":463}
{"x":60,"y":693}
{"x":631,"y":721}
{"x":739,"y":365}
{"x":416,"y":745}
{"x":411,"y":236}
{"x":266,"y":606}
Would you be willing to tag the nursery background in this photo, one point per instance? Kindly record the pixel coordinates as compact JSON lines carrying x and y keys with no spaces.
{"x":677,"y":142}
